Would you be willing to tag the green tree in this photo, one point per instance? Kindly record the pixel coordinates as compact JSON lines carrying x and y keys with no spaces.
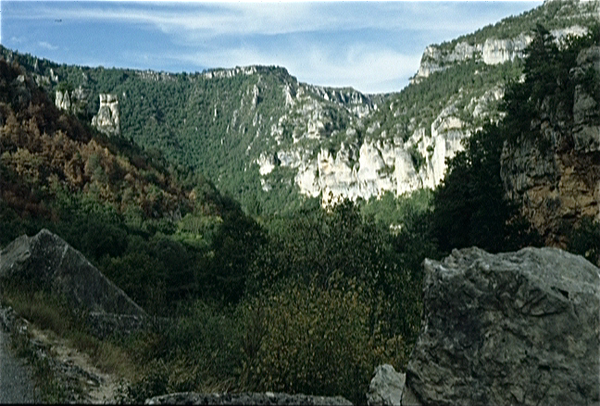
{"x":470,"y":207}
{"x":234,"y":249}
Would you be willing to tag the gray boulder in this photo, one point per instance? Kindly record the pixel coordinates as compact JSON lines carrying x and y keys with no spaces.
{"x":268,"y":398}
{"x":386,"y":386}
{"x":512,"y":328}
{"x":47,"y":262}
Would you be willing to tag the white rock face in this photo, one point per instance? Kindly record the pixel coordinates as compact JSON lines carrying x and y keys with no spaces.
{"x":266,"y":164}
{"x":107,"y":119}
{"x":492,"y":52}
{"x":382,"y":166}
{"x":229,"y":73}
{"x":62,"y":100}
{"x":73,"y":102}
{"x":373,"y":166}
{"x":496,"y":51}
{"x":386,"y":387}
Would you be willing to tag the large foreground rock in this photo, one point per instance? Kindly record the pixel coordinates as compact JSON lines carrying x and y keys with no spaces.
{"x":513,"y":328}
{"x":269,"y":398}
{"x":47,"y":262}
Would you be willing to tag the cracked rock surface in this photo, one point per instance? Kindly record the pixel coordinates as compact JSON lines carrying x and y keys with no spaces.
{"x":511,"y":328}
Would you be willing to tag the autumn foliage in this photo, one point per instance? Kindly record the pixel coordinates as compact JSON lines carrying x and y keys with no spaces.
{"x":43,"y":149}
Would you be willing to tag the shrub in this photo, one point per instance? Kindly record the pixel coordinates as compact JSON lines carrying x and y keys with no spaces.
{"x":314,"y":341}
{"x":211,"y":337}
{"x":200,"y":351}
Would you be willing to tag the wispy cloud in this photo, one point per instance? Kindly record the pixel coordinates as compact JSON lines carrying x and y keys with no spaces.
{"x":208,"y":19}
{"x":372,"y":46}
{"x":17,"y":40}
{"x":244,"y":18}
{"x":47,"y":45}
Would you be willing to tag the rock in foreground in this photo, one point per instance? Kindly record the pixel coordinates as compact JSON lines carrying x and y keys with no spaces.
{"x":512,"y":328}
{"x":269,"y":398}
{"x":47,"y":262}
{"x":386,"y":387}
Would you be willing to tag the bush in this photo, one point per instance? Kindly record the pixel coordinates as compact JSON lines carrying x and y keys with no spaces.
{"x":314,"y":341}
{"x":200,"y":351}
{"x":211,"y":337}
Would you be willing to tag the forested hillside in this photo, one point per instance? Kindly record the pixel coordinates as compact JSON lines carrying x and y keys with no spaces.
{"x":285,"y":295}
{"x":125,"y":210}
{"x":268,"y":140}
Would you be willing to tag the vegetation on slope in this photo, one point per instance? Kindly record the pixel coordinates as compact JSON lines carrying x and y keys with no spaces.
{"x":470,"y":207}
{"x":552,"y":15}
{"x":123,"y":209}
{"x":219,"y":123}
{"x":307,"y":303}
{"x":194,"y":256}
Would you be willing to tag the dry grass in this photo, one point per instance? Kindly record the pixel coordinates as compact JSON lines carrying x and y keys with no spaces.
{"x":50,"y":314}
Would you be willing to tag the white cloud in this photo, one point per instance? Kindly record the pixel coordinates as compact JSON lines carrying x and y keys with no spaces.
{"x":209,"y":19}
{"x":363,"y":45}
{"x":206,"y":20}
{"x":17,"y":40}
{"x":47,"y":45}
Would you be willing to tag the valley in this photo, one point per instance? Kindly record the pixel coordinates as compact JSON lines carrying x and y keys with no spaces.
{"x":269,"y":140}
{"x":235,"y":233}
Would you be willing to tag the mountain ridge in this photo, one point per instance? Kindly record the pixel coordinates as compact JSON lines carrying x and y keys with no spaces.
{"x":268,"y":139}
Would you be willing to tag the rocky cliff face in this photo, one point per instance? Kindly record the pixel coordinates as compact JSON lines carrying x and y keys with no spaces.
{"x":370,"y":160}
{"x":559,"y":183}
{"x":380,"y":162}
{"x":107,"y":119}
{"x":492,"y":51}
{"x":71,"y":101}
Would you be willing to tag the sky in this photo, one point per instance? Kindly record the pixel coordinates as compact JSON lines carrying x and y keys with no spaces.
{"x":374,"y":47}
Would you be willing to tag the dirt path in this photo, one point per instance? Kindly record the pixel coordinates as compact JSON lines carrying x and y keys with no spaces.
{"x":98,"y":387}
{"x":16,"y":384}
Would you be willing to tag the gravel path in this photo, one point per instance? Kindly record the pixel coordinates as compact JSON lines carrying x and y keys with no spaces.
{"x":16,"y":385}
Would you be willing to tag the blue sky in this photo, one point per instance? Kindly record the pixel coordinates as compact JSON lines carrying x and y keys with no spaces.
{"x":371,"y":46}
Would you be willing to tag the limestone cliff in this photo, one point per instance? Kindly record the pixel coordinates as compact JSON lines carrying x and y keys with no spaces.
{"x":372,"y":159}
{"x":107,"y":119}
{"x":558,"y":182}
{"x":370,"y":162}
{"x":72,"y":101}
{"x":492,"y":51}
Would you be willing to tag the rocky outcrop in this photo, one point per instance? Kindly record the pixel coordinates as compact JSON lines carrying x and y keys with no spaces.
{"x":268,"y":398}
{"x":586,"y":111}
{"x":63,"y":100}
{"x":512,"y":328}
{"x":384,"y":165}
{"x":557,"y":182}
{"x":386,"y":387}
{"x":72,"y":102}
{"x":492,"y":51}
{"x":107,"y":118}
{"x":47,"y":262}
